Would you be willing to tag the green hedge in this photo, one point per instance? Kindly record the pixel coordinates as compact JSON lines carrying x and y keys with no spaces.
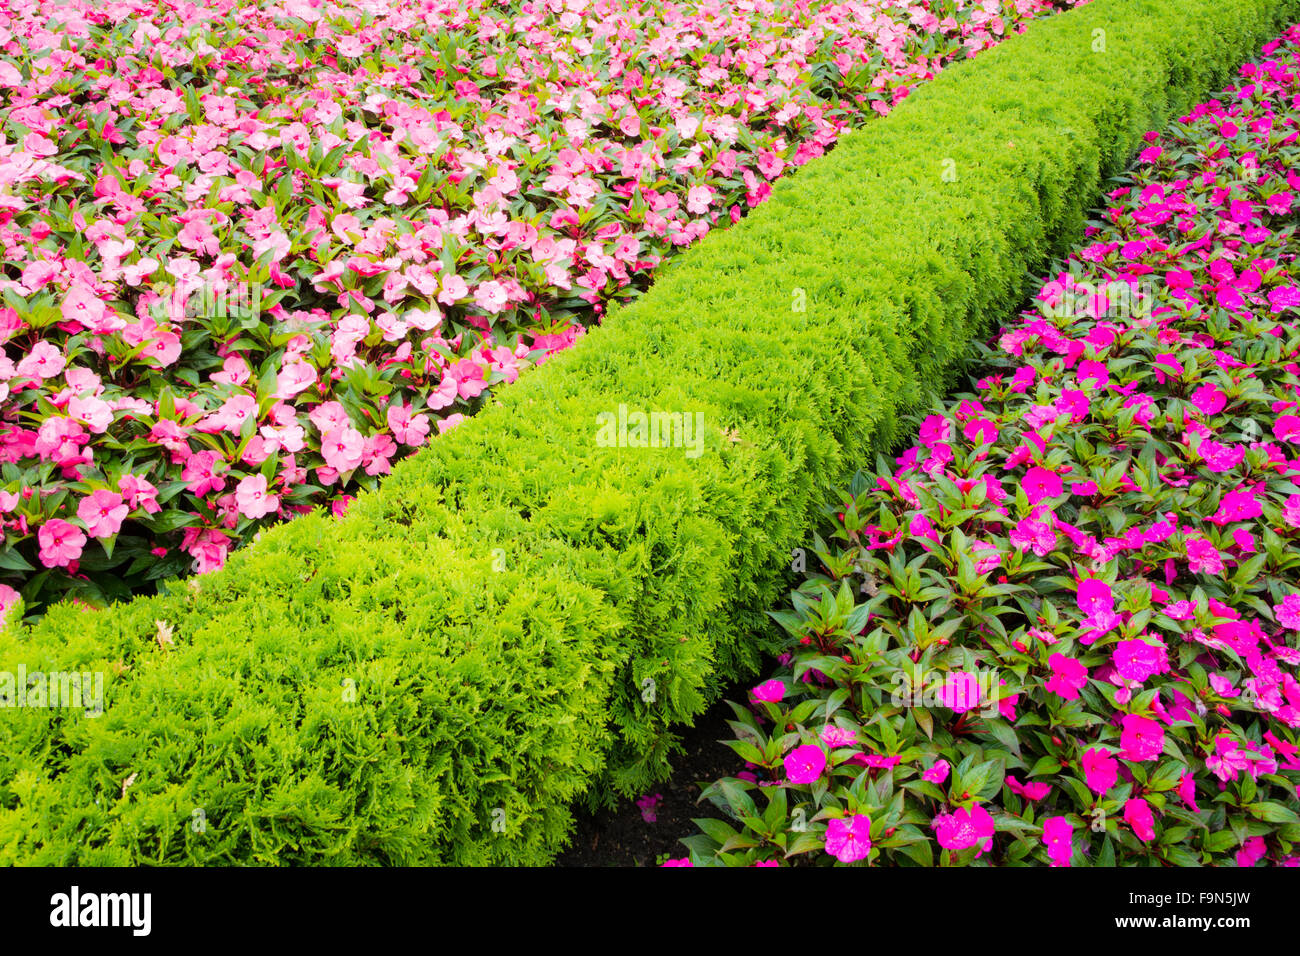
{"x":437,"y":677}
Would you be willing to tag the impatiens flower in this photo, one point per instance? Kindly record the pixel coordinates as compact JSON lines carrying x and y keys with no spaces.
{"x":1039,"y":483}
{"x":1137,"y":814}
{"x":804,"y":764}
{"x":965,"y":828}
{"x":61,"y":543}
{"x":1100,"y":769}
{"x":834,"y":736}
{"x":772,"y":690}
{"x":8,"y":598}
{"x":1037,"y":536}
{"x":1032,"y":791}
{"x":1187,"y":791}
{"x":252,"y":499}
{"x":1058,"y":836}
{"x":849,"y":840}
{"x":960,"y":691}
{"x":937,"y":773}
{"x":1252,"y":851}
{"x":1288,"y":612}
{"x":1069,"y":676}
{"x":102,"y":512}
{"x":1141,"y":738}
{"x":1137,"y":660}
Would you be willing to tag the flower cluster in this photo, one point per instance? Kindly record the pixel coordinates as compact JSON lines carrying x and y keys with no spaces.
{"x":1100,"y":545}
{"x":254,"y":253}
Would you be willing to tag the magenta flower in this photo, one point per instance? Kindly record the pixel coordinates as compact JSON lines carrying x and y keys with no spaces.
{"x":1252,"y":851}
{"x":938,"y":772}
{"x":1100,"y":769}
{"x":1288,"y":612}
{"x":805,"y":764}
{"x":1137,"y":814}
{"x":1058,"y":836}
{"x":1137,"y":659}
{"x":1037,"y":536}
{"x":1069,"y":676}
{"x":960,"y":691}
{"x":849,"y":840}
{"x":770,"y":691}
{"x":965,"y":828}
{"x":1141,"y":738}
{"x":1039,"y":483}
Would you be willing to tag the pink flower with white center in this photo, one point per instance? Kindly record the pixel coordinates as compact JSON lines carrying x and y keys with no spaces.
{"x":698,"y":200}
{"x":769,"y":691}
{"x":849,"y":840}
{"x":491,"y":296}
{"x":342,"y":448}
{"x":83,"y":306}
{"x":252,"y":498}
{"x":44,"y":361}
{"x":407,"y":427}
{"x":102,"y":512}
{"x":454,"y":288}
{"x":61,"y":543}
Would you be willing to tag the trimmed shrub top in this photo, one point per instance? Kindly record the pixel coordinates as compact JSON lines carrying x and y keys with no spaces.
{"x":521,"y":613}
{"x":1062,"y":628}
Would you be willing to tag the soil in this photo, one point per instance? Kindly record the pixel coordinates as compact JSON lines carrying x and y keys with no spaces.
{"x":623,"y":837}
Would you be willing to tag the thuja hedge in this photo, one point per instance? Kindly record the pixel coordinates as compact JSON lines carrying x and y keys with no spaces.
{"x":520,"y":614}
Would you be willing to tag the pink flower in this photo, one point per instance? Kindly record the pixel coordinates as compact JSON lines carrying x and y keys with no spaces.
{"x":1100,"y":769}
{"x":938,"y":772}
{"x":834,"y":736}
{"x":1039,"y":483}
{"x":1037,"y":536}
{"x":342,"y":448}
{"x":1203,"y":557}
{"x":804,"y":764}
{"x":1187,"y":791}
{"x":1288,"y":612}
{"x":1141,"y":738}
{"x":102,"y":512}
{"x":965,"y":828}
{"x":1030,"y":791}
{"x":61,"y":543}
{"x":1137,"y":814}
{"x":1252,"y":851}
{"x":849,"y":840}
{"x":408,"y":428}
{"x":684,"y":861}
{"x":770,"y":691}
{"x":1058,"y":836}
{"x":252,"y":500}
{"x":1069,"y":676}
{"x":1137,"y":660}
{"x":960,"y":691}
{"x":8,"y":598}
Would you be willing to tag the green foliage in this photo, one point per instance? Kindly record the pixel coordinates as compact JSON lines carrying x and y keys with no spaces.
{"x":501,"y":601}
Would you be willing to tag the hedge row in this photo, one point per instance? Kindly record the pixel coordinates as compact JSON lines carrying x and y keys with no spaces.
{"x":520,"y":614}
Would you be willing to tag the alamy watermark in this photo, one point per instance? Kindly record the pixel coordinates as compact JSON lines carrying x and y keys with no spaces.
{"x":960,"y":691}
{"x":75,"y":689}
{"x":637,"y":429}
{"x":233,"y":300}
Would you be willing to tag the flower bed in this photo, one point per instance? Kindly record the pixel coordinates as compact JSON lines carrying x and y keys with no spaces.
{"x":1062,"y":628}
{"x":439,"y":674}
{"x":256,"y":255}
